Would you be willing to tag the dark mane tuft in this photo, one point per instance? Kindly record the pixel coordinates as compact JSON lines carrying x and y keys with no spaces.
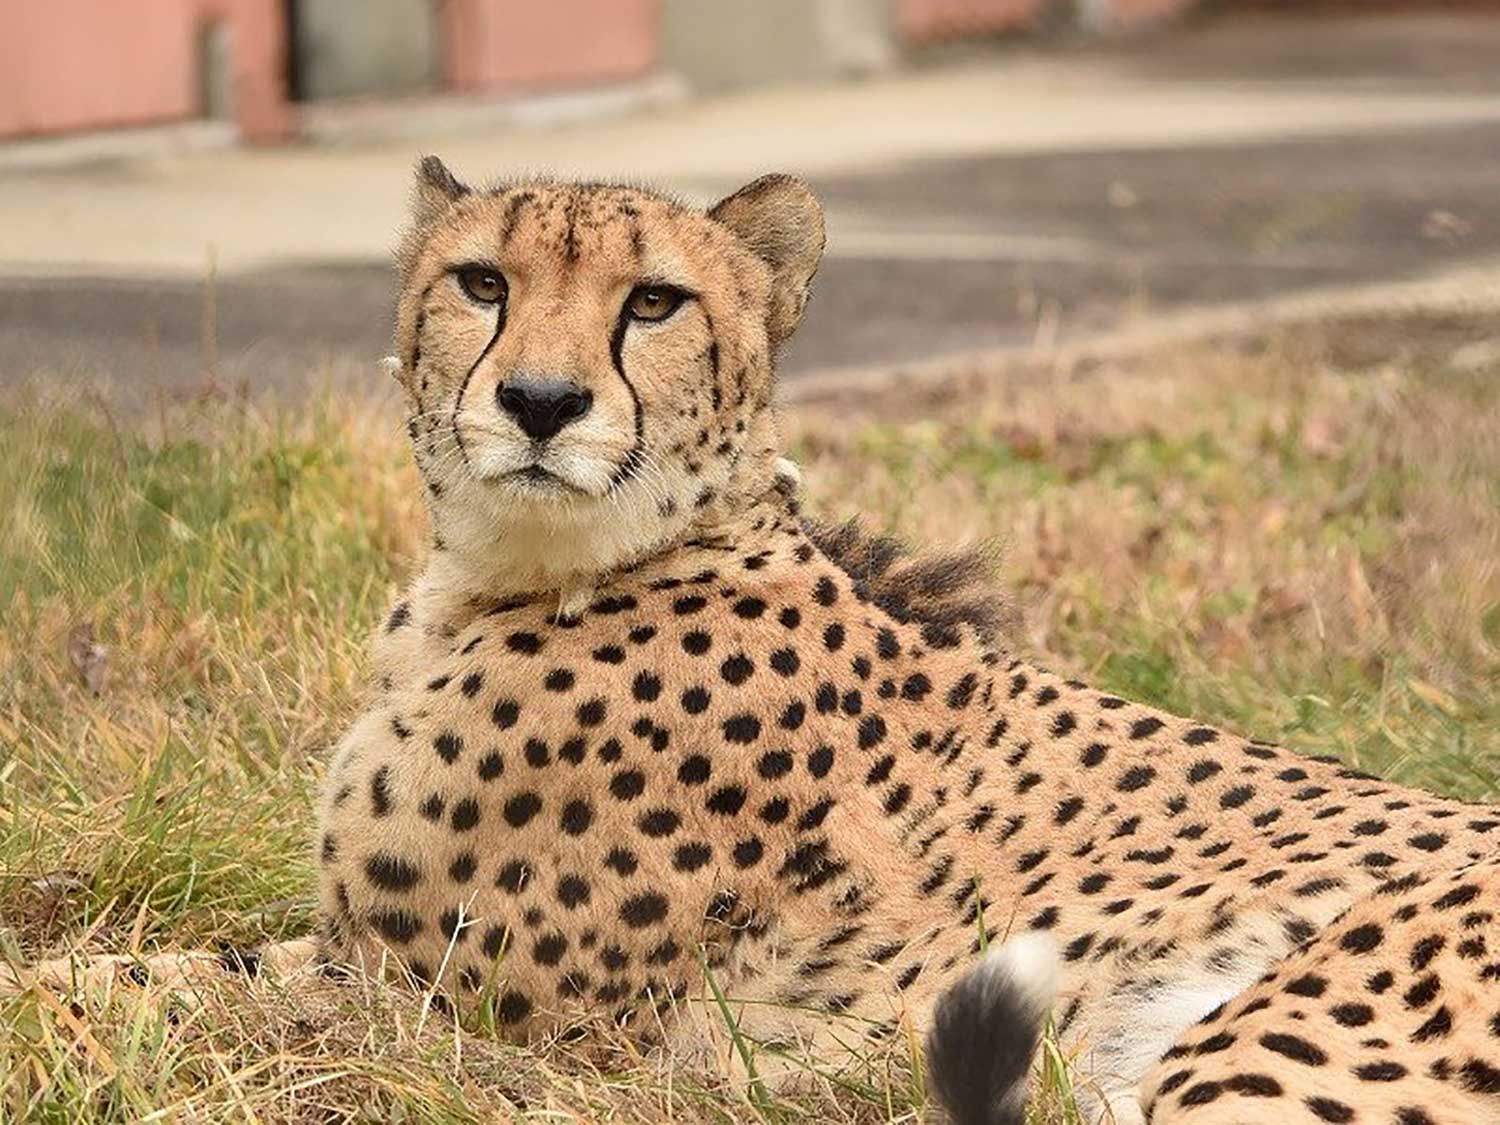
{"x":944,"y":588}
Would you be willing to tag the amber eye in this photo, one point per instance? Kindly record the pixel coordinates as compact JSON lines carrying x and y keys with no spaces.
{"x":482,"y":283}
{"x":653,"y":302}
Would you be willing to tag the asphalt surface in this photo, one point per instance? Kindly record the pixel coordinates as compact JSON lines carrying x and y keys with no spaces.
{"x":950,"y":255}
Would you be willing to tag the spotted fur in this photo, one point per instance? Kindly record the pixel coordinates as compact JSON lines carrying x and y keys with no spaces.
{"x":638,"y":717}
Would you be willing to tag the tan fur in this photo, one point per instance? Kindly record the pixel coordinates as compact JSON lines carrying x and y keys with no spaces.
{"x":796,"y":754}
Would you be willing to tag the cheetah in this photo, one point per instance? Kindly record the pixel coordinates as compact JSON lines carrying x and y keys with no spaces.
{"x":642,"y":732}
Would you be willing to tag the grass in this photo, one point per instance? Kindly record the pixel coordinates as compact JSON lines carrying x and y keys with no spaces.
{"x":1288,"y":537}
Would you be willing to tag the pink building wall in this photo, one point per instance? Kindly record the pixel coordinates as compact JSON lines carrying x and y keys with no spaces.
{"x":920,"y":20}
{"x":490,"y":46}
{"x":136,"y":64}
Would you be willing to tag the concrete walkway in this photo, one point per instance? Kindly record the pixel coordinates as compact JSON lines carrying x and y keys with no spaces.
{"x":1033,"y":194}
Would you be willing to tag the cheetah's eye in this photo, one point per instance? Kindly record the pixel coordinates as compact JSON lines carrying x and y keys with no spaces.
{"x":483,"y":284}
{"x":653,"y":302}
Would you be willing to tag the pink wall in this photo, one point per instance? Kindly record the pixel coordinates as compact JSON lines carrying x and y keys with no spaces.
{"x":919,"y":20}
{"x":950,"y":19}
{"x":491,"y":46}
{"x":91,"y":64}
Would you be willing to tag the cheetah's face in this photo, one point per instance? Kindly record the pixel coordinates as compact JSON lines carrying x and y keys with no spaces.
{"x":591,"y":363}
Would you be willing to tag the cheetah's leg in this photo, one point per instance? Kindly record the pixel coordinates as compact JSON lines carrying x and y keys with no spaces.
{"x":1389,"y":1015}
{"x":165,"y":971}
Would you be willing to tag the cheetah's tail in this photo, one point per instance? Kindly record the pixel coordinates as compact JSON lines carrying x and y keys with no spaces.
{"x":985,"y":1031}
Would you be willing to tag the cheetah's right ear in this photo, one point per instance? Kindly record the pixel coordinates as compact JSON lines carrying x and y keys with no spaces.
{"x":780,"y":219}
{"x":436,"y":189}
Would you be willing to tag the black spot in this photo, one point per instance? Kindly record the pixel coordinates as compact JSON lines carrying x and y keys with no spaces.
{"x":396,"y":926}
{"x":627,"y":785}
{"x":774,"y":764}
{"x":747,"y":853}
{"x":391,"y":873}
{"x":380,"y":792}
{"x":461,"y":870}
{"x":726,"y":801}
{"x":549,"y":949}
{"x":573,"y":891}
{"x":696,"y":643}
{"x":621,"y":861}
{"x":465,"y":815}
{"x":646,"y":687}
{"x":449,"y":746}
{"x":775,"y":810}
{"x":505,"y":713}
{"x":1362,"y":939}
{"x":591,"y":713}
{"x":785,"y":661}
{"x":872,"y":731}
{"x":528,"y":644}
{"x":1234,"y":798}
{"x":695,"y":700}
{"x":576,"y":817}
{"x":513,"y":1007}
{"x":915,"y":687}
{"x":749,"y":608}
{"x":643,"y":910}
{"x":820,"y":761}
{"x":659,"y":822}
{"x":1458,"y":896}
{"x":537,"y":753}
{"x":741,"y":729}
{"x":737,"y":669}
{"x":1293,"y":1047}
{"x":519,"y":810}
{"x":1327,"y":1109}
{"x":691,"y":857}
{"x":614,"y":604}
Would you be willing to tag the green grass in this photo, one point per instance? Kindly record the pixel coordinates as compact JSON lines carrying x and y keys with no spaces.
{"x":1254,"y":536}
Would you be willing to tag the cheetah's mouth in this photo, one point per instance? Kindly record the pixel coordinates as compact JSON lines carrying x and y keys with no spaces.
{"x":535,"y":478}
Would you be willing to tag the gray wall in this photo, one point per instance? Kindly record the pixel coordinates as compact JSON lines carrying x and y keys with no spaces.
{"x":723,"y":44}
{"x":348,"y":47}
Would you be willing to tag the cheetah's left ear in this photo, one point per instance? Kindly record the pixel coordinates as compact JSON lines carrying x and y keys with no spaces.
{"x":780,"y":219}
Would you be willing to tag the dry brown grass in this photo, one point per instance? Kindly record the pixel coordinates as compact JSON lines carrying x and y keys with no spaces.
{"x":1296,"y":539}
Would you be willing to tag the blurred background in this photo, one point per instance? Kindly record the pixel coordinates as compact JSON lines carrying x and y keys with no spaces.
{"x":208,"y":189}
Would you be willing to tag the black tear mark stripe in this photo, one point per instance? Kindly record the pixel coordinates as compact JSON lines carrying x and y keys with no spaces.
{"x":458,"y":402}
{"x":631,"y":463}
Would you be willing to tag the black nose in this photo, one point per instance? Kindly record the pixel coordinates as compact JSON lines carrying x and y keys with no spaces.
{"x":542,"y":407}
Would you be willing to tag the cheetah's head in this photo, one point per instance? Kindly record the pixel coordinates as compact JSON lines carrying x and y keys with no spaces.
{"x":588,"y":368}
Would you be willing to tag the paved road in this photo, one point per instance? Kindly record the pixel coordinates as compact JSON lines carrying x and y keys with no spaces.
{"x":926,"y":258}
{"x":1047,"y":192}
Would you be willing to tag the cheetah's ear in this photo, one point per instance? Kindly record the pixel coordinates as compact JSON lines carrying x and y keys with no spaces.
{"x":436,"y":189}
{"x":779,"y":218}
